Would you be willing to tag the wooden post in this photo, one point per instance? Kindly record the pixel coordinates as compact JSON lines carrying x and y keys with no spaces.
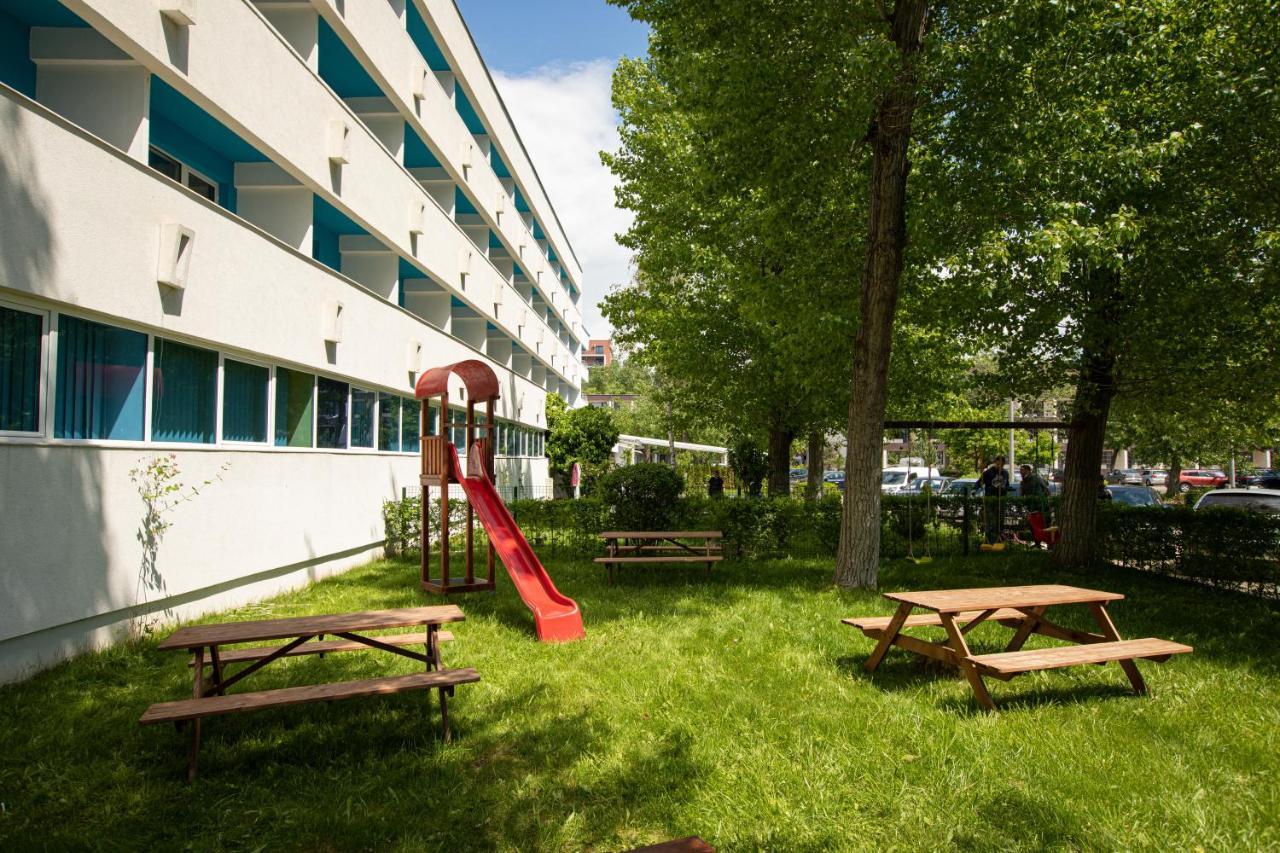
{"x":471,"y":515}
{"x":444,"y":496}
{"x":424,"y":490}
{"x":489,"y":453}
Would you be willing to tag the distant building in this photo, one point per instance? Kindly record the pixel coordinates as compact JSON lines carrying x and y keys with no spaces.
{"x":611,"y":401}
{"x":599,"y":353}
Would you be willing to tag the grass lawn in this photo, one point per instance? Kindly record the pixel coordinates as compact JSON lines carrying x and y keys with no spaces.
{"x":734,"y":708}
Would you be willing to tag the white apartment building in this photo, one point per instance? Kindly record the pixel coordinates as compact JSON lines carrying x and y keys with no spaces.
{"x":236,"y":232}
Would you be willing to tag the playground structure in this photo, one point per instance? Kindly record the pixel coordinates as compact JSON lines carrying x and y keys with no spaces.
{"x":556,"y":617}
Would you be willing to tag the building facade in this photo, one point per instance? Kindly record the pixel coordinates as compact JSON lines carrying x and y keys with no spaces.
{"x":599,"y":353}
{"x":234,"y":233}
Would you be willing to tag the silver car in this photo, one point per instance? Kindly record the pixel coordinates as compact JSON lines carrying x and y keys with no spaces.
{"x":1257,"y":500}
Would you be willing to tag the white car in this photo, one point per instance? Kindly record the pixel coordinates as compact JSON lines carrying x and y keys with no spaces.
{"x":896,"y":479}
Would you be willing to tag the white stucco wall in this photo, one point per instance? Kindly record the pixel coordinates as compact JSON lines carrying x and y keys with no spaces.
{"x":82,"y":224}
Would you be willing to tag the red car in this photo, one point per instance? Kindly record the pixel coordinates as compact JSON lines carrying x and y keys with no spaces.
{"x":1203,"y":477}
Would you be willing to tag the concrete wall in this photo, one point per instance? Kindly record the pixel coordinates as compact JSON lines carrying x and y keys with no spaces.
{"x":82,"y":235}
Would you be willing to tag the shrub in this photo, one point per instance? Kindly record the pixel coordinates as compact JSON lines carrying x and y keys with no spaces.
{"x":641,"y":496}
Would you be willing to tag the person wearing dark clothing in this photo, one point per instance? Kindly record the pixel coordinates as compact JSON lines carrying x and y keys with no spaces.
{"x":995,"y":484}
{"x":715,"y":486}
{"x":1032,"y":485}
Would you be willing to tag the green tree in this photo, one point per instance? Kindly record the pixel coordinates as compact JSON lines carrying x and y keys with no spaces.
{"x":584,"y":435}
{"x":1110,"y":171}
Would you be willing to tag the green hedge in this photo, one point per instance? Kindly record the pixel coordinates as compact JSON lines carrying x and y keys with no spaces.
{"x":1222,"y":547}
{"x":752,"y":526}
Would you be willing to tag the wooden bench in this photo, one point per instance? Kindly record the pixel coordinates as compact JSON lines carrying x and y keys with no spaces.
{"x":213,"y":706}
{"x":209,"y":697}
{"x":1032,"y":660}
{"x":646,"y":547}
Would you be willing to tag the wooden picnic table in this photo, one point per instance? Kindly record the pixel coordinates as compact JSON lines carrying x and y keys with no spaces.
{"x":306,"y":634}
{"x":659,"y":546}
{"x":1022,"y":608}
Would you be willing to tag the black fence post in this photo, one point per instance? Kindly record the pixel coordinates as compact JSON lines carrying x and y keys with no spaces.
{"x":966,"y":523}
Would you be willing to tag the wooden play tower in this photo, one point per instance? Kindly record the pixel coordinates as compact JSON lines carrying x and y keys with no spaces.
{"x":481,"y":385}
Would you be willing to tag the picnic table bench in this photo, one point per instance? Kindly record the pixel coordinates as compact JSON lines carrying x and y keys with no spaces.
{"x":1021,"y":608}
{"x":660,"y":546}
{"x":305,"y":634}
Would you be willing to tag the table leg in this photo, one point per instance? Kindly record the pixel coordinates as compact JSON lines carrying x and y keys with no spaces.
{"x":961,"y":648}
{"x":217,"y":671}
{"x":1029,"y":623}
{"x":1108,"y":629}
{"x":886,"y":639}
{"x":197,"y":690}
{"x":434,"y":663}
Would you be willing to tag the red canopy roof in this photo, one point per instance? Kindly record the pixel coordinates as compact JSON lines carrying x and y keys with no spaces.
{"x":480,"y":380}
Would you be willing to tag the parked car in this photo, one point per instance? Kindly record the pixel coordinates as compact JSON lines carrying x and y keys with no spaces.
{"x":799,"y":475}
{"x":1154,"y":477}
{"x":897,"y":478}
{"x":1134,"y":496}
{"x":1263,"y":478}
{"x":1125,"y":477}
{"x":960,"y":485}
{"x":937,"y":485}
{"x":1202,"y":477}
{"x":1257,"y":500}
{"x":835,"y":478}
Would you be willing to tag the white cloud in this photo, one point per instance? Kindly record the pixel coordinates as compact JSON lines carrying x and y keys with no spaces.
{"x":565,"y":117}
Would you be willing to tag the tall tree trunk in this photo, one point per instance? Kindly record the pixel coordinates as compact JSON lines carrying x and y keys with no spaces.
{"x":1172,"y":486}
{"x":858,"y":558}
{"x":1086,"y":433}
{"x":780,"y":461}
{"x":814,"y":453}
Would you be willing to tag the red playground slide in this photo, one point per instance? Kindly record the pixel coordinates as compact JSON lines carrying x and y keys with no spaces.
{"x":556,"y":617}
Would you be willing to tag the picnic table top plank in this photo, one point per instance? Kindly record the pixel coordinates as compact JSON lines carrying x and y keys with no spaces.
{"x":984,"y":598}
{"x":660,"y":534}
{"x":194,"y":636}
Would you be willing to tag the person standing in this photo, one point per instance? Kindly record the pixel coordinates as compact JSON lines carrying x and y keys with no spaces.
{"x":1032,"y":485}
{"x":995,"y":484}
{"x":715,"y":485}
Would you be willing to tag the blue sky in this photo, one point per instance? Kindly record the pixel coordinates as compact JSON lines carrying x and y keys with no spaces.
{"x":553,"y":61}
{"x":517,"y":36}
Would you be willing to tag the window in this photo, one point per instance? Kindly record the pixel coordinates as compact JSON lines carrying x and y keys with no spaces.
{"x":293,"y":408}
{"x":21,"y":354}
{"x":184,"y":387}
{"x":410,"y":434}
{"x":176,"y":170}
{"x":362,"y":417}
{"x":244,"y":401}
{"x":331,"y":413}
{"x":388,"y":421}
{"x":458,"y":430}
{"x":101,"y":391}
